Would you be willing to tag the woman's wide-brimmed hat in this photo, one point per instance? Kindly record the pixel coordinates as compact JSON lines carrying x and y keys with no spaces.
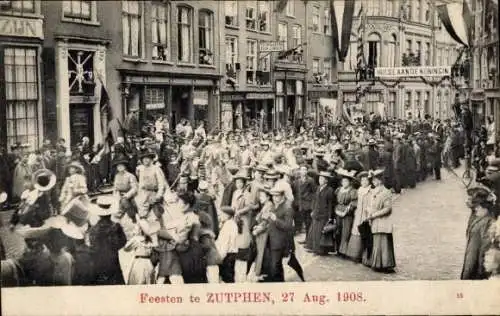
{"x":28,"y":232}
{"x":271,"y":174}
{"x":348,"y":174}
{"x":147,"y":153}
{"x":102,"y":206}
{"x":241,"y":175}
{"x":67,"y":227}
{"x":44,"y":180}
{"x":78,"y":166}
{"x":362,"y":174}
{"x":325,"y":174}
{"x":375,"y":173}
{"x":120,"y":160}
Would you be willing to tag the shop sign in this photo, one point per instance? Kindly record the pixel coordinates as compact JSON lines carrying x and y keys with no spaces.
{"x":232,"y":97}
{"x":21,"y":27}
{"x":259,"y":96}
{"x":397,"y":72}
{"x":155,"y":106}
{"x":315,"y":95}
{"x":272,"y":46}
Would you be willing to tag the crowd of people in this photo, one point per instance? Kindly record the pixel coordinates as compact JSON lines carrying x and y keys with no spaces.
{"x":198,"y":207}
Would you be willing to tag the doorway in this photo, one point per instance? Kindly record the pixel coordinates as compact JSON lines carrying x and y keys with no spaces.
{"x":82,"y":123}
{"x":180,"y":104}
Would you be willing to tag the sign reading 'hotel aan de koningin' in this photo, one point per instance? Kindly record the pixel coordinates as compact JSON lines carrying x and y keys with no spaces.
{"x":395,"y":72}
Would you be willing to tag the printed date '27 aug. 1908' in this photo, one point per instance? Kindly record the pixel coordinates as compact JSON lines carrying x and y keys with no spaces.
{"x":255,"y":297}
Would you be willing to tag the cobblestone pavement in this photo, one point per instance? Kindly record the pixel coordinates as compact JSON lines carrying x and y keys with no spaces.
{"x":429,"y":238}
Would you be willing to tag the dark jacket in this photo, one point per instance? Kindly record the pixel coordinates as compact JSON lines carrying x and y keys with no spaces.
{"x":478,"y":242}
{"x":205,"y":203}
{"x":303,"y":192}
{"x":324,"y":203}
{"x":279,"y":230}
{"x":106,"y":239}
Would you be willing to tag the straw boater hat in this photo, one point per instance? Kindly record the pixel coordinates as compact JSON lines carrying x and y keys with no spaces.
{"x":261,"y":168}
{"x":78,"y":166}
{"x":68,"y":228}
{"x":203,"y":185}
{"x":278,"y":189}
{"x":44,"y":180}
{"x":319,"y":152}
{"x":371,"y":142}
{"x":102,"y":206}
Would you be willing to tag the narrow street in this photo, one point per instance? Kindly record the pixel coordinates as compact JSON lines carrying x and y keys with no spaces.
{"x":429,"y":238}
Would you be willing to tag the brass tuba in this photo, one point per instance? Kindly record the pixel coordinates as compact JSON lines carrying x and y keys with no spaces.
{"x":43,"y":180}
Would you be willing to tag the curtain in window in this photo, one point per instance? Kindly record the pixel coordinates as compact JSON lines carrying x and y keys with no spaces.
{"x":185,"y":36}
{"x":162,"y":26}
{"x":134,"y":27}
{"x":126,"y":28}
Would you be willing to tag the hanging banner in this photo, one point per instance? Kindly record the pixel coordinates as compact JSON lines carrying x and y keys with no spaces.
{"x":397,"y":72}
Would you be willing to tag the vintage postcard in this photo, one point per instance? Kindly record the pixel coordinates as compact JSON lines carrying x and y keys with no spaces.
{"x":287,"y":157}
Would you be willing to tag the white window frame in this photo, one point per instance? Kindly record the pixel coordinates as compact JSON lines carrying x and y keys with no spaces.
{"x":209,"y":34}
{"x":232,"y":57}
{"x":315,"y":69}
{"x":260,"y":6}
{"x":316,"y":20}
{"x":296,"y":35}
{"x":36,"y":84}
{"x":251,"y":6}
{"x":251,"y":61}
{"x":190,"y":23}
{"x":156,"y":30}
{"x":327,"y":70}
{"x":92,"y":20}
{"x":290,"y":8}
{"x":327,"y":22}
{"x":231,"y":6}
{"x":140,"y":47}
{"x":17,"y":8}
{"x":283,"y":38}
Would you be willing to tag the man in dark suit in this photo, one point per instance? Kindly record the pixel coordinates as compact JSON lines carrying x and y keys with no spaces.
{"x":398,"y":163}
{"x":279,"y":242}
{"x":303,"y":191}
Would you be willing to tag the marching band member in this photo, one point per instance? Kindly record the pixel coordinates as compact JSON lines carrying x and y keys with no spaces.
{"x":74,"y":185}
{"x":124,"y":189}
{"x":151,"y":184}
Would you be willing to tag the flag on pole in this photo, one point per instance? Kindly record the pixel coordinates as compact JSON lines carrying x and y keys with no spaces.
{"x":342,"y":15}
{"x":360,"y":55}
{"x":457,"y":20}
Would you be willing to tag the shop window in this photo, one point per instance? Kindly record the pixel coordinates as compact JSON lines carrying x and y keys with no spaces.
{"x":231,"y":13}
{"x":315,"y":19}
{"x":79,"y":10}
{"x":251,"y":16}
{"x":206,"y":37}
{"x":160,"y":28}
{"x":264,"y":16}
{"x":154,"y":98}
{"x":132,"y":28}
{"x":21,"y":94}
{"x":251,"y":65}
{"x":184,"y":34}
{"x":81,"y":72}
{"x":418,"y":102}
{"x":407,"y":100}
{"x":18,"y":7}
